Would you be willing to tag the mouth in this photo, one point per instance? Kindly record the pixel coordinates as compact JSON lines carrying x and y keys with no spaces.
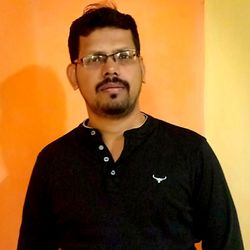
{"x":112,"y":85}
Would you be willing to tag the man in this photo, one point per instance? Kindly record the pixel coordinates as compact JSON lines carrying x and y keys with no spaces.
{"x":123,"y":179}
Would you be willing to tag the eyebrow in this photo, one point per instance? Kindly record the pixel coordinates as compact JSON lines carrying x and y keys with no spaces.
{"x":99,"y":52}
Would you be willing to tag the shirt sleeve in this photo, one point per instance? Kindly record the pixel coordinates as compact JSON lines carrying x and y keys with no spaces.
{"x":215,"y":214}
{"x":37,"y":227}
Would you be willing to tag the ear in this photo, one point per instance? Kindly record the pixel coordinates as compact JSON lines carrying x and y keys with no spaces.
{"x":71,"y":74}
{"x":142,"y":69}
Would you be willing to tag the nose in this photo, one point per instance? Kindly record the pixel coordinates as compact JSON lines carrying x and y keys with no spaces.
{"x":110,"y":67}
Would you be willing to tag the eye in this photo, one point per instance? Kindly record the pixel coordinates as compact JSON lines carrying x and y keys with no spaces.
{"x":124,"y":55}
{"x":94,"y":59}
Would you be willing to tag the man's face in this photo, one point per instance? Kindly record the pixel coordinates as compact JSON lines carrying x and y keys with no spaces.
{"x":110,"y":89}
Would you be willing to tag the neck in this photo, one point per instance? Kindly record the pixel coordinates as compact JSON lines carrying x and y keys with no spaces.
{"x":112,"y":129}
{"x":107,"y":125}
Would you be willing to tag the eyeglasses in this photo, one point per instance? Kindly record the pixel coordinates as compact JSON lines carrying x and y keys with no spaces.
{"x":122,"y":57}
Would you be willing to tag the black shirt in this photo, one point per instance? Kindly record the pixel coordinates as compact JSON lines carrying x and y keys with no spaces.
{"x":166,"y":191}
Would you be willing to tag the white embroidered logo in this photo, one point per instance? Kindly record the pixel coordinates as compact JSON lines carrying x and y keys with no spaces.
{"x":159,"y":180}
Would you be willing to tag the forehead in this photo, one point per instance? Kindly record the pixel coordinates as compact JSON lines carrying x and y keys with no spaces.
{"x":106,"y":40}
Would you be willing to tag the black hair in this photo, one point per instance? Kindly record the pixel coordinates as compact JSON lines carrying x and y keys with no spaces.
{"x":100,"y":17}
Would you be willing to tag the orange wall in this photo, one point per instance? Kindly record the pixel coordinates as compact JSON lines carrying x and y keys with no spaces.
{"x":37,"y":104}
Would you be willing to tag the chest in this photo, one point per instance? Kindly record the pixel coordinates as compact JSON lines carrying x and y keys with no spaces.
{"x":145,"y":183}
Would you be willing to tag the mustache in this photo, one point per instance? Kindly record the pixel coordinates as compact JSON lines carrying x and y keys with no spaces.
{"x":111,"y":79}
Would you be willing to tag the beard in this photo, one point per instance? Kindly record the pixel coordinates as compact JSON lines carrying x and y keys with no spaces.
{"x":114,"y":106}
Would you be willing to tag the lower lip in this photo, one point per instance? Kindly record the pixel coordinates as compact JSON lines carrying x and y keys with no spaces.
{"x":113,"y":90}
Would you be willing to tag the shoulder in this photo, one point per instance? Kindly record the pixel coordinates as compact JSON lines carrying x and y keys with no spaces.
{"x":176,"y":135}
{"x":63,"y":144}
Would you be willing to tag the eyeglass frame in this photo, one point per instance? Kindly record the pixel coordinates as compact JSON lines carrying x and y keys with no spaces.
{"x":82,"y":60}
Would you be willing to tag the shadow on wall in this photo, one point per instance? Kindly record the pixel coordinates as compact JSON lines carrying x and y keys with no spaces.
{"x":33,"y":113}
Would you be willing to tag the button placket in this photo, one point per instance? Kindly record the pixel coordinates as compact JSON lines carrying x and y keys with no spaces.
{"x":105,"y":156}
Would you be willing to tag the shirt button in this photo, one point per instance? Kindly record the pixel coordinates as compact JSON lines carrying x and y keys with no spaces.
{"x":101,"y":147}
{"x":112,"y":172}
{"x":106,"y":159}
{"x":92,"y":132}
